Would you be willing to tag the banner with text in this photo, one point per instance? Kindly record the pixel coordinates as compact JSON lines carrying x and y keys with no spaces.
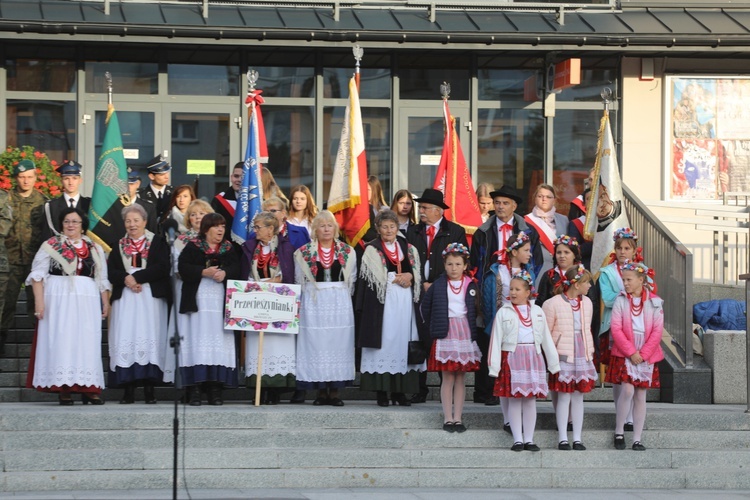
{"x":262,"y":306}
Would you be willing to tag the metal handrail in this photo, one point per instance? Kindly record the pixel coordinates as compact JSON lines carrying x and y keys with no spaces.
{"x":673,"y":263}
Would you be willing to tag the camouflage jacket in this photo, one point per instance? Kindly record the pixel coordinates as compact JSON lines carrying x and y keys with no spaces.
{"x":24,"y":237}
{"x":5,"y":223}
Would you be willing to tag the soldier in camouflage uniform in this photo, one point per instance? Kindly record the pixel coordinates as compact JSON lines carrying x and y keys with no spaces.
{"x":22,"y":242}
{"x":5,"y":223}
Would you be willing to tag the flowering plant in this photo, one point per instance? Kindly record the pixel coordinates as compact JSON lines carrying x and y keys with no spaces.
{"x":47,"y":179}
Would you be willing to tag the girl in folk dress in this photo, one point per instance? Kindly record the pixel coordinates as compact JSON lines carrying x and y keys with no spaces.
{"x":519,"y":335}
{"x":569,"y":316}
{"x":567,"y":255}
{"x":637,"y":325}
{"x":449,"y":312}
{"x":610,"y":286}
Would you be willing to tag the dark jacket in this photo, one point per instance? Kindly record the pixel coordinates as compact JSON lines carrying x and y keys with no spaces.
{"x":152,"y":224}
{"x":434,"y":308}
{"x":449,"y":232}
{"x":284,"y":251}
{"x":160,"y":205}
{"x":55,"y":208}
{"x":220,"y":206}
{"x":192,"y":262}
{"x":297,"y":237}
{"x":156,"y":272}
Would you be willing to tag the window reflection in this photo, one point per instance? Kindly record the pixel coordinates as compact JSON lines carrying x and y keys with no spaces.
{"x":196,"y":79}
{"x":48,"y":126}
{"x":127,"y":78}
{"x":423,"y":83}
{"x":374,"y":83}
{"x":502,"y":84}
{"x":33,"y":75}
{"x":200,"y":136}
{"x":286,"y":82}
{"x":290,"y":134}
{"x":592,"y":83}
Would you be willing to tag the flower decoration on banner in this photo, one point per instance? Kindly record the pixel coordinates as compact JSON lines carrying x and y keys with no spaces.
{"x":624,"y":232}
{"x":48,"y":181}
{"x":456,"y":248}
{"x":526,"y":276}
{"x":521,"y":239}
{"x":570,"y":241}
{"x":247,"y":324}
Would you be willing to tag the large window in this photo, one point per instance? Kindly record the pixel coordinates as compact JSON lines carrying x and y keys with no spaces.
{"x":290,"y":134}
{"x":32,"y":75}
{"x":48,"y":126}
{"x":127,"y":78}
{"x":196,"y":79}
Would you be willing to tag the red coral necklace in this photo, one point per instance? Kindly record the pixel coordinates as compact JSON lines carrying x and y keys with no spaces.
{"x":325,"y":259}
{"x":525,"y":321}
{"x":393,"y":256}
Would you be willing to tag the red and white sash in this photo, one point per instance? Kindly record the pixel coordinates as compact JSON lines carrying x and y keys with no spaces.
{"x":229,"y":205}
{"x":546,"y":235}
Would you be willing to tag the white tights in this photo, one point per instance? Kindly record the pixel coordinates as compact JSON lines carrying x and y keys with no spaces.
{"x":616,"y":390}
{"x":569,"y":405}
{"x":637,"y":397}
{"x":522,"y":414}
{"x":504,"y":406}
{"x":453,"y":396}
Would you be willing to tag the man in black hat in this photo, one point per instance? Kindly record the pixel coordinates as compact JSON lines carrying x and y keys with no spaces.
{"x":158,"y":191}
{"x":430,"y":237}
{"x":70,"y":173}
{"x":488,"y":239}
{"x":134,"y":183}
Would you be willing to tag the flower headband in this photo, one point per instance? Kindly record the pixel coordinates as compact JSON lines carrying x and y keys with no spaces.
{"x":521,"y":239}
{"x":566,"y":240}
{"x":625,"y":232}
{"x":456,"y":248}
{"x":642,"y":270}
{"x":567,"y":283}
{"x":524,"y":275}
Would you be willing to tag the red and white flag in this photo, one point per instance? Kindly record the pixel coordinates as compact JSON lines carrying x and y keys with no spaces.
{"x":348,"y":196}
{"x":454,"y":180}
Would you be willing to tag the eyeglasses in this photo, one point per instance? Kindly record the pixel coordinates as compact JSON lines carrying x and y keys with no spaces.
{"x":274,"y":210}
{"x":545,"y":196}
{"x":72,"y":222}
{"x":257,"y":228}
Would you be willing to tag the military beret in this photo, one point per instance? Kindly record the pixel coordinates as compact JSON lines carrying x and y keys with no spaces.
{"x":24,"y":166}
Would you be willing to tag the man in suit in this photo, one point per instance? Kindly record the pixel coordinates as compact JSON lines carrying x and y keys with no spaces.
{"x":158,"y":190}
{"x":488,"y":239}
{"x":134,"y":183}
{"x":430,"y":237}
{"x":70,"y":173}
{"x":225,"y":203}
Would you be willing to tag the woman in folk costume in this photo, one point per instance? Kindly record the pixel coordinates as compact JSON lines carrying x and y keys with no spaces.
{"x":207,"y":352}
{"x":569,"y":315}
{"x":548,"y":224}
{"x":389,"y":285}
{"x":269,"y":257}
{"x":519,"y":335}
{"x":193,"y":217}
{"x":139,"y":271}
{"x":516,"y":257}
{"x":637,"y":326}
{"x":327,"y":270}
{"x":69,"y":279}
{"x":610,"y":286}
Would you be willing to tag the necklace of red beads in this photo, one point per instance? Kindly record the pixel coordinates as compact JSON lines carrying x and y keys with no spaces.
{"x":456,"y":289}
{"x":393,"y":256}
{"x":264,"y":259}
{"x":525,"y":321}
{"x":636,"y":310}
{"x":575,"y":303}
{"x":325,"y":259}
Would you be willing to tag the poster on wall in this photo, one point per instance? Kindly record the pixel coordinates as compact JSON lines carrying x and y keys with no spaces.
{"x":709,"y":137}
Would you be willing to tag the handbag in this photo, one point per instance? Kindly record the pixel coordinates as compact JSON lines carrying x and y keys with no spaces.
{"x":417,"y":354}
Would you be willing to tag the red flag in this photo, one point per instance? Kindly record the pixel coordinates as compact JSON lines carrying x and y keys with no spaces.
{"x":348,"y":197}
{"x":454,"y":180}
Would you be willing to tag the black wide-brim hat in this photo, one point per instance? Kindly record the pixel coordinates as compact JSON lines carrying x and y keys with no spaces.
{"x":433,"y":197}
{"x":507,"y":192}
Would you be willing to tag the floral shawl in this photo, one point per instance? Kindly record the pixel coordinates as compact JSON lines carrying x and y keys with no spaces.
{"x":127,"y":251}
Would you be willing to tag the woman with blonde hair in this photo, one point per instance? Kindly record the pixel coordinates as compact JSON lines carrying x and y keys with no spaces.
{"x":375,"y":194}
{"x":548,"y":224}
{"x":270,"y":188}
{"x":486,"y":205}
{"x":302,"y":209}
{"x":327,"y":270}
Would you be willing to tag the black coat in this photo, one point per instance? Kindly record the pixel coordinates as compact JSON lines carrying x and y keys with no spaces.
{"x":434,"y":308}
{"x":191,"y":264}
{"x":156,"y":272}
{"x":151,"y":221}
{"x":147,"y":194}
{"x":223,"y":208}
{"x":449,"y":232}
{"x":55,"y":208}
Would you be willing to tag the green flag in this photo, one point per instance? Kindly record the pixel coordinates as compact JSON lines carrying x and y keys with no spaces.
{"x":110,"y":188}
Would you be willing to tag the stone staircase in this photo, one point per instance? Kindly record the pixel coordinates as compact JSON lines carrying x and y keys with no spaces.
{"x":46,"y":447}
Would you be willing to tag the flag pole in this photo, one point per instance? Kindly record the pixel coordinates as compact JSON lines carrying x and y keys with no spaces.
{"x":108,"y":79}
{"x":358,"y":53}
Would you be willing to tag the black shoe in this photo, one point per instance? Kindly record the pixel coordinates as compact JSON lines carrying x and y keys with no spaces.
{"x":128,"y":397}
{"x":148,"y":394}
{"x":298,"y":397}
{"x":399,"y":398}
{"x":382,"y":398}
{"x":619,"y":442}
{"x":418,"y":398}
{"x":563,"y":445}
{"x":637,"y":446}
{"x":274,"y":397}
{"x":459,"y":427}
{"x":448,"y":427}
{"x":628,"y":426}
{"x":480,"y":399}
{"x":517,"y":446}
{"x":530,"y":447}
{"x":492,"y":401}
{"x":578,"y":446}
{"x":94,"y":399}
{"x":506,"y":428}
{"x":194,"y":395}
{"x":321,"y":401}
{"x":214,"y":394}
{"x":65,"y":399}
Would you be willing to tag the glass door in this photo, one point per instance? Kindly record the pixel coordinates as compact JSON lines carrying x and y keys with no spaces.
{"x":205,"y":139}
{"x":420,"y":144}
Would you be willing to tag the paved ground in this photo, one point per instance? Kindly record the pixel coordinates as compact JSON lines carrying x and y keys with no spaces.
{"x":387,"y":494}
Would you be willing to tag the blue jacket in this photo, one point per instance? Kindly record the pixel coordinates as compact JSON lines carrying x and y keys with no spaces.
{"x":434,"y":308}
{"x":297,"y":236}
{"x":722,"y":314}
